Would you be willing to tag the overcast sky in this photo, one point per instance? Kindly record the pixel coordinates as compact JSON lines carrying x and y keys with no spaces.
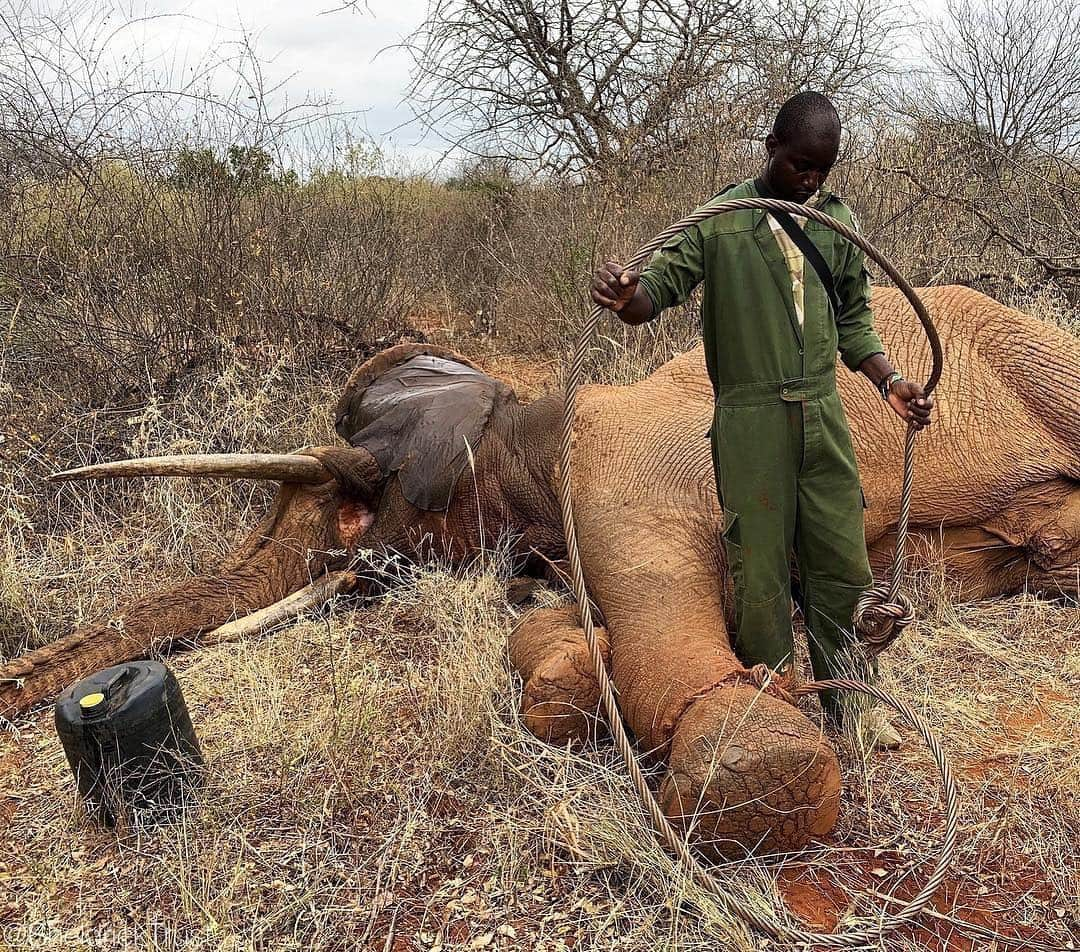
{"x":316,"y":48}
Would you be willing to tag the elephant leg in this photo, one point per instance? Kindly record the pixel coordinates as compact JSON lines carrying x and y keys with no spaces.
{"x":1032,"y":545}
{"x":746,"y":770}
{"x":750,"y":773}
{"x":1049,"y":519}
{"x":560,"y":698}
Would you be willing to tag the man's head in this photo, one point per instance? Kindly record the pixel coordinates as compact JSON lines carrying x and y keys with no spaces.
{"x":802,"y":146}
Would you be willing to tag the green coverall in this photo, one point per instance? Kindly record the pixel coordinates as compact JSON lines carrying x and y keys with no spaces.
{"x":785,"y":467}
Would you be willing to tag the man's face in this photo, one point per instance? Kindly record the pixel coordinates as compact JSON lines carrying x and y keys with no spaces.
{"x":799,"y":168}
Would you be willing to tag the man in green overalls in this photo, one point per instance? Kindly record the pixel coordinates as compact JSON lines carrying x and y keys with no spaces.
{"x":785,"y":467}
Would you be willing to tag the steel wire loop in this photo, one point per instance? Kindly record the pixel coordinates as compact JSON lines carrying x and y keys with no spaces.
{"x":888,"y":604}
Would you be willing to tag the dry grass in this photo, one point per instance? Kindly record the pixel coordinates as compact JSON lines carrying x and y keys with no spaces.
{"x":368,"y":784}
{"x":366,"y":773}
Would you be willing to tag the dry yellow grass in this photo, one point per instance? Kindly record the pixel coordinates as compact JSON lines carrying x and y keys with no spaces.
{"x":369,"y":786}
{"x":367,"y":775}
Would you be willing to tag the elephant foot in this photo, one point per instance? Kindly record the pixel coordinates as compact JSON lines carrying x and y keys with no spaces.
{"x":750,"y":773}
{"x":560,"y":699}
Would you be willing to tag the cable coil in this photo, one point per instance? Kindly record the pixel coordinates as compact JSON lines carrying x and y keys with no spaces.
{"x":880,"y":615}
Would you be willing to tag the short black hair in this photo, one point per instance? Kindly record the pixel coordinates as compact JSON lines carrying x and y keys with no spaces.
{"x":806,"y":112}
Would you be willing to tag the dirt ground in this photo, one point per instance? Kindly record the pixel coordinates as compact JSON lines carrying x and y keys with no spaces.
{"x":369,"y":787}
{"x":368,"y":784}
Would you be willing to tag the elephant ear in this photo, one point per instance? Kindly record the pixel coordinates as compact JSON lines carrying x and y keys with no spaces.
{"x":420,"y":410}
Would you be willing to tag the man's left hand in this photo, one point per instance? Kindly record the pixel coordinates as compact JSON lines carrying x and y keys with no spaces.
{"x":910,"y":403}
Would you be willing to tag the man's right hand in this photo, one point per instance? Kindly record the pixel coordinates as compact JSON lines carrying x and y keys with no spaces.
{"x":613,"y":286}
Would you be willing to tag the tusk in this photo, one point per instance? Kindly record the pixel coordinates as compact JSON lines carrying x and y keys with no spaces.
{"x":283,"y":467}
{"x":315,"y":595}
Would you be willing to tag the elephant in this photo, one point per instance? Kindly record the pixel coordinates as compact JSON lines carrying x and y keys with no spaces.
{"x":440,"y":459}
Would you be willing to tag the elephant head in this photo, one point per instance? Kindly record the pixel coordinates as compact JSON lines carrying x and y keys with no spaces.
{"x":430,"y":436}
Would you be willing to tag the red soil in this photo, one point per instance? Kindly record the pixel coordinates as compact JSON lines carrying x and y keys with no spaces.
{"x":1048,"y":720}
{"x":819,"y":897}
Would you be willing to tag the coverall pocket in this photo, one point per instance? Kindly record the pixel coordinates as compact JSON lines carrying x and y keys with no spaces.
{"x":731,"y":527}
{"x":733,"y":549}
{"x":714,"y":440}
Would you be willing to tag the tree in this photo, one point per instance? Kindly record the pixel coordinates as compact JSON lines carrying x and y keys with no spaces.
{"x":573,"y":85}
{"x":1011,"y":69}
{"x":198,"y":168}
{"x":1003,"y":119}
{"x":842,"y":48}
{"x":73,"y":95}
{"x":609,"y":87}
{"x":245,"y":167}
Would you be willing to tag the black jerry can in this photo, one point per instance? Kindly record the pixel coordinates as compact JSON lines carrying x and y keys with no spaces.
{"x":128,"y":737}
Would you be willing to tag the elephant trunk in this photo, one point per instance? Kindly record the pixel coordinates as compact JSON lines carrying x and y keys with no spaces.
{"x":322,"y":510}
{"x":148,"y":625}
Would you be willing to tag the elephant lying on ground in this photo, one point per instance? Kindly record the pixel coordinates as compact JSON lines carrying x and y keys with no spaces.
{"x":443,"y":458}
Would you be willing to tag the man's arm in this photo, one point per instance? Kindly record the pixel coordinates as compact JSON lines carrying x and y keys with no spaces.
{"x":861,"y":348}
{"x":669,"y":279}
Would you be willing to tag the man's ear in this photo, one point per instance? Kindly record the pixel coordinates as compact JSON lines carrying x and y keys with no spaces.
{"x":420,"y":410}
{"x":771,"y":145}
